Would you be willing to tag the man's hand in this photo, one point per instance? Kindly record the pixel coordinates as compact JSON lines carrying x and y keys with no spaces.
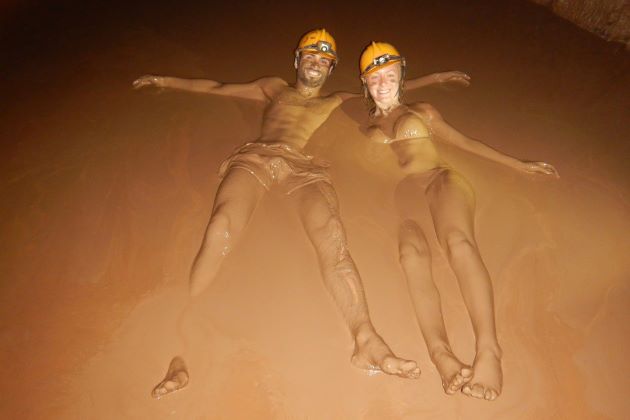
{"x":148,"y":80}
{"x":539,"y":168}
{"x":453,"y":77}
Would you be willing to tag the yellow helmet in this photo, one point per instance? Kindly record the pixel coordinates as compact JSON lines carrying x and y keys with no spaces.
{"x":320,"y":42}
{"x":378,"y":55}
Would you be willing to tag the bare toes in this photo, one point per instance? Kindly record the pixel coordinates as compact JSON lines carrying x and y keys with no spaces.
{"x":413,"y":373}
{"x":176,"y":379}
{"x":400,"y":367}
{"x":410,"y":369}
{"x":160,"y":390}
{"x":460,"y":378}
{"x":477,"y":391}
{"x":491,"y":395}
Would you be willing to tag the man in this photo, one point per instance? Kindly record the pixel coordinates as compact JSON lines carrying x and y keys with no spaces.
{"x":292,"y":114}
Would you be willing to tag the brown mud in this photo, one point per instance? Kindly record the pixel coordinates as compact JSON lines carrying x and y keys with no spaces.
{"x":106,"y":191}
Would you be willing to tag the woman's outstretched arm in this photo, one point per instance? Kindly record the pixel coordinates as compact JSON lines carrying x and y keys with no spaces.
{"x":445,"y":132}
{"x":437,"y":79}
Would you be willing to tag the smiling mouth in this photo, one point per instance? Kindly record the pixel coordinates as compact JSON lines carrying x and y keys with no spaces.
{"x":313,"y":72}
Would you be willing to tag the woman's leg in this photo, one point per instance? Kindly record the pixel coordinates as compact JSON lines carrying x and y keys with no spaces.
{"x":318,"y":210}
{"x":415,"y":259}
{"x":235,"y":201}
{"x":451,"y":201}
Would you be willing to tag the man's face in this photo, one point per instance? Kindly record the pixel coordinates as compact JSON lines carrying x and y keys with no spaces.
{"x":384,"y":85}
{"x":313,"y":69}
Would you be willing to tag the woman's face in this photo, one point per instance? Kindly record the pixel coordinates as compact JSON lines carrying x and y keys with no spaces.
{"x":384,"y":86}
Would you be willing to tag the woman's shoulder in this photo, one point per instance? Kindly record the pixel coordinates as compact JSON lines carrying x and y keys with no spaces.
{"x":409,"y":124}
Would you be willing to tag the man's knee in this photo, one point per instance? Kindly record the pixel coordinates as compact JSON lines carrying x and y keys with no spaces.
{"x":219,"y":227}
{"x":333,"y":231}
{"x":328,"y":236}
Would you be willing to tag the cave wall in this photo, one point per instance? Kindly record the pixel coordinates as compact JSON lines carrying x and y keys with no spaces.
{"x":609,"y":19}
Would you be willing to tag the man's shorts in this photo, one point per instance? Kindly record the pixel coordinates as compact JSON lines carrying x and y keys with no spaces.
{"x":277,"y":164}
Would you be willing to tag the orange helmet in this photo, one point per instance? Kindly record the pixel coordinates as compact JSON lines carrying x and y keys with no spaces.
{"x":319,"y":42}
{"x":378,"y":55}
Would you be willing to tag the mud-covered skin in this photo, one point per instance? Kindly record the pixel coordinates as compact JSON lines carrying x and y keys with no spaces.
{"x":410,"y":131}
{"x":291,"y":116}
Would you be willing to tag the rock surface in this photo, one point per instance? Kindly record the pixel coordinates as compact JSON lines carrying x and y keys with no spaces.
{"x":609,"y":19}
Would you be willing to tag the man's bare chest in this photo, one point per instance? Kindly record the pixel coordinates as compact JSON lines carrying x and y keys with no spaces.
{"x":293,"y":102}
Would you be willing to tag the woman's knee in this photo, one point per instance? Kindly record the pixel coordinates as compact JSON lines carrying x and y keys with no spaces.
{"x":413,"y":244}
{"x":457,"y":244}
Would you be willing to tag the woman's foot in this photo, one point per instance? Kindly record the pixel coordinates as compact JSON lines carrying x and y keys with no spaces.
{"x":487,"y":379}
{"x":454,"y":373}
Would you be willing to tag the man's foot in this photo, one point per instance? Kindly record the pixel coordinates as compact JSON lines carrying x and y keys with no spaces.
{"x":372,"y":354}
{"x":176,"y":378}
{"x":454,"y":373}
{"x":487,"y":379}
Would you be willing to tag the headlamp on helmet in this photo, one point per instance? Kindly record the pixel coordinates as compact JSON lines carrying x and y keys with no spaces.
{"x":381,"y":60}
{"x":378,"y":55}
{"x":319,"y":42}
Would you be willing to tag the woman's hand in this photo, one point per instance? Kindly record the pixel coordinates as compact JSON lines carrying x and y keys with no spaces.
{"x":453,"y":77}
{"x":148,"y":80}
{"x":539,"y":168}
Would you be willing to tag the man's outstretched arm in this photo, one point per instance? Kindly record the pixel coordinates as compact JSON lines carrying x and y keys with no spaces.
{"x":257,"y":90}
{"x":438,"y":78}
{"x":344,"y":96}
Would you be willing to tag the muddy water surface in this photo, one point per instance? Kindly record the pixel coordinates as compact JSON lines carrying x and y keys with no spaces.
{"x":106,"y":192}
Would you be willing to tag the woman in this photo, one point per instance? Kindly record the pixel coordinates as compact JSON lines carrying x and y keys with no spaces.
{"x":411,"y":130}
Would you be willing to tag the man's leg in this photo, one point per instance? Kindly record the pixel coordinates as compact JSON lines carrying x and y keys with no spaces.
{"x":451,"y":202}
{"x":318,"y":211}
{"x":235,"y":201}
{"x":415,"y":259}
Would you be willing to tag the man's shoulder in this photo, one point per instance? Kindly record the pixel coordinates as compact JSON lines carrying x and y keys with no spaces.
{"x":271,"y":85}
